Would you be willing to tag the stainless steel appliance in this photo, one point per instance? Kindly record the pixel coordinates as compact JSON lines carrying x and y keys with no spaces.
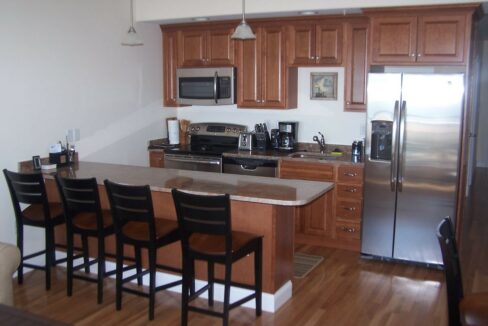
{"x":206,"y":86}
{"x":207,"y":143}
{"x":247,"y":141}
{"x":411,"y":163}
{"x":288,"y":135}
{"x":250,"y":166}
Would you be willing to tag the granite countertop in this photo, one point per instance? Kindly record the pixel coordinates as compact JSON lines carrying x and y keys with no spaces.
{"x":264,"y":190}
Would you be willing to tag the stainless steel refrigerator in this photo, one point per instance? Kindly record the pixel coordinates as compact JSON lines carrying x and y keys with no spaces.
{"x":413,"y":141}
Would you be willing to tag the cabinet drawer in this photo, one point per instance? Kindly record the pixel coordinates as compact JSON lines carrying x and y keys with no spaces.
{"x":346,"y":191}
{"x":350,"y":174}
{"x":349,"y":209}
{"x":348,"y":230}
{"x":290,"y":169}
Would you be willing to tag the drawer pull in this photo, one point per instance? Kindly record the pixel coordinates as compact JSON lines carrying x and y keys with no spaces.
{"x":350,"y":174}
{"x":349,"y":208}
{"x":349,"y":230}
{"x":351,"y":190}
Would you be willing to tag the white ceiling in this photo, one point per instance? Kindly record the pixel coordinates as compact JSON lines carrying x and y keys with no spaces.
{"x":171,"y":11}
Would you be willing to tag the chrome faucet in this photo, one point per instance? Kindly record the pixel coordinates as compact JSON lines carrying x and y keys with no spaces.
{"x":321,"y":142}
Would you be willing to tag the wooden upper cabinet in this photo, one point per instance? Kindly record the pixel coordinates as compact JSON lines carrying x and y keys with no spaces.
{"x":356,"y":65}
{"x":393,"y":39}
{"x":328,"y":43}
{"x":205,"y":47}
{"x":263,"y":78}
{"x":315,"y":43}
{"x":170,"y":52}
{"x":431,"y":38}
{"x":441,"y":38}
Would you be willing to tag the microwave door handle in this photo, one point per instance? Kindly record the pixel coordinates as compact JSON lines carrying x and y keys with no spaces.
{"x":216,"y":77}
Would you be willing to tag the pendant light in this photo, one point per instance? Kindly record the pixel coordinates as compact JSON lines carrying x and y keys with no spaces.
{"x":243,"y":31}
{"x":132,"y":38}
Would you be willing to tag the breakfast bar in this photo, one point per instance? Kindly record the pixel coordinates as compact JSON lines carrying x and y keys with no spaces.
{"x":259,"y":205}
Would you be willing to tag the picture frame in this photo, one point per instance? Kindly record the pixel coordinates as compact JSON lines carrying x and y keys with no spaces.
{"x":323,"y":86}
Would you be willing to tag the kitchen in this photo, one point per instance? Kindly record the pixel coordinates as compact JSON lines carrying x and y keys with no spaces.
{"x":137,"y":84}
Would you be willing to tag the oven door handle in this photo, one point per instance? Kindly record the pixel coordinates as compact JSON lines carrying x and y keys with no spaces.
{"x":192,"y":160}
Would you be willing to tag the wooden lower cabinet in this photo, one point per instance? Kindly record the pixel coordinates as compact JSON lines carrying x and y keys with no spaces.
{"x":333,"y":220}
{"x":156,"y":158}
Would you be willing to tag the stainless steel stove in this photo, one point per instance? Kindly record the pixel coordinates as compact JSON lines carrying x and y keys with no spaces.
{"x":208,"y":140}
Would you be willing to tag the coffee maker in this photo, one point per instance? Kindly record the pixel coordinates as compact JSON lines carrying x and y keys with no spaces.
{"x":288,"y":135}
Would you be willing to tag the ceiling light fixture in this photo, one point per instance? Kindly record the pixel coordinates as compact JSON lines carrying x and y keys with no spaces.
{"x":243,"y":30}
{"x":132,"y":38}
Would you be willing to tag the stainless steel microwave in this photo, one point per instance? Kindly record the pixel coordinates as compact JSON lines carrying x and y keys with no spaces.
{"x":206,"y":86}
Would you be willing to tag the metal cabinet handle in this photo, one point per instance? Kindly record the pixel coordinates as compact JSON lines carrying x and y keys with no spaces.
{"x":351,"y":190}
{"x":419,"y":55}
{"x":350,"y":174}
{"x":349,"y":230}
{"x":412,"y":55}
{"x":351,"y":209}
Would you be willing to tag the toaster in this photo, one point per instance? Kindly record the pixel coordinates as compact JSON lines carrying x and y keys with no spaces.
{"x":247,"y":141}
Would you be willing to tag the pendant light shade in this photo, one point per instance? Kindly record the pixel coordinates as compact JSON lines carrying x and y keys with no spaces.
{"x":132,"y":38}
{"x":243,"y":30}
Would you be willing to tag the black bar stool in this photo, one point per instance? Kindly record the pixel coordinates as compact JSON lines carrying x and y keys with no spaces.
{"x":86,"y":218}
{"x":29,"y":188}
{"x":206,"y":234}
{"x":133,"y":214}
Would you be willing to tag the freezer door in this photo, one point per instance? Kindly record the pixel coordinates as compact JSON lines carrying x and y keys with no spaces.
{"x":430,"y":133}
{"x":384,"y":92}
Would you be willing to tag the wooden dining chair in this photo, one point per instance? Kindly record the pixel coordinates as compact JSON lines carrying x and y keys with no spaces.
{"x":206,"y":234}
{"x":135,"y":224}
{"x":29,"y":189}
{"x":463,"y":309}
{"x":86,"y":218}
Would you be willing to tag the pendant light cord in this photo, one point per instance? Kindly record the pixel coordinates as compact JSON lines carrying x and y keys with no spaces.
{"x":132,"y":13}
{"x":243,"y":9}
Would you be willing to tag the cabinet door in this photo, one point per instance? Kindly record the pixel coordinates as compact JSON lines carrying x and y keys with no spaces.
{"x":441,"y":39}
{"x":273,"y":68}
{"x":301,"y":44}
{"x":356,"y":65}
{"x":249,"y":72}
{"x":156,"y":159}
{"x":317,"y":217}
{"x":393,"y":39}
{"x":169,"y":68}
{"x":220,"y":47}
{"x":328,"y":43}
{"x":192,"y":48}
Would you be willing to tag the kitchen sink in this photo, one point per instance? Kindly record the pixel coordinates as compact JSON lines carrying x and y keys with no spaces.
{"x":314,"y":156}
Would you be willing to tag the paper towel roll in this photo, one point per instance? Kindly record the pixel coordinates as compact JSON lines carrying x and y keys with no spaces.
{"x":174,"y":131}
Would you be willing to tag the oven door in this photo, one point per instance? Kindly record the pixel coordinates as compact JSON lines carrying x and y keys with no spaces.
{"x":193,"y":162}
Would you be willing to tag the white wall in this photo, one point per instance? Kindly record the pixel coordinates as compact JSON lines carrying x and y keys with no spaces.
{"x":482,"y":136}
{"x":62,"y":66}
{"x":325,"y":116}
{"x":171,"y":11}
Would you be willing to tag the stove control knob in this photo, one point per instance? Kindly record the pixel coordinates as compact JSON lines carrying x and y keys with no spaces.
{"x":198,"y":128}
{"x":227,"y":130}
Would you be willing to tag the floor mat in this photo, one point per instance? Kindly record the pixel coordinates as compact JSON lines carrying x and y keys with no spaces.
{"x":304,"y":263}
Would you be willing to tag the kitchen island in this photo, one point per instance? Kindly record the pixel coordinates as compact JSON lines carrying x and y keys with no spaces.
{"x":259,"y":205}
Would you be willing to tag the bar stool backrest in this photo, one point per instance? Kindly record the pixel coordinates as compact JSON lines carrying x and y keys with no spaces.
{"x":80,"y":195}
{"x":452,"y":269}
{"x":27,"y":188}
{"x":203,"y":214}
{"x":131,"y":204}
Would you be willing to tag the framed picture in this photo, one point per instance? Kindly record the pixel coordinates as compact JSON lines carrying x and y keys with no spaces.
{"x":323,"y":86}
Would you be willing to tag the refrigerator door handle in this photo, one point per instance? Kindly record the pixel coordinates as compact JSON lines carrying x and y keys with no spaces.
{"x":401,"y":165}
{"x":393,"y":167}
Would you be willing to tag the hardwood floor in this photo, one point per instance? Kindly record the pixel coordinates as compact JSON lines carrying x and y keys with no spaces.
{"x":343,"y":290}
